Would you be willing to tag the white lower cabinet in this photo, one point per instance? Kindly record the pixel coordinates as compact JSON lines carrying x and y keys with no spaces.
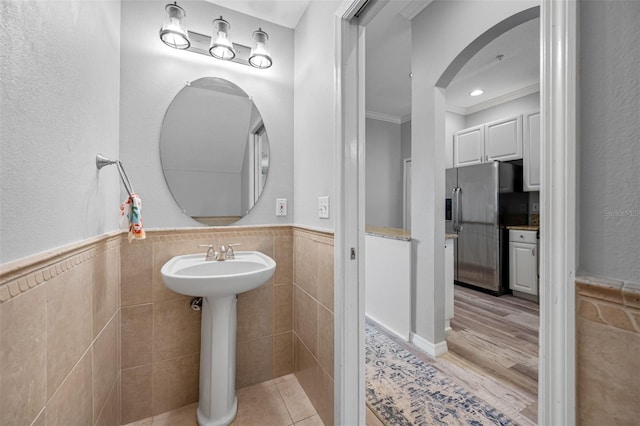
{"x":523,"y":262}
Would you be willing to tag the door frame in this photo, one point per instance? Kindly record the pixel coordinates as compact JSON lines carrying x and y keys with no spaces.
{"x":557,"y":383}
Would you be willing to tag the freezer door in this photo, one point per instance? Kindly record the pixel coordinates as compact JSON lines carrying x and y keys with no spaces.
{"x":478,"y":251}
{"x":451,"y":183}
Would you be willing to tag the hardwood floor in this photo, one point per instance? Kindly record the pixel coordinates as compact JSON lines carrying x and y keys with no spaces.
{"x":498,"y":337}
{"x":493,"y":351}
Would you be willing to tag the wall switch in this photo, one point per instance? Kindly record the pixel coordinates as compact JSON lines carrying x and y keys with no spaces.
{"x":281,"y":206}
{"x":323,"y":207}
{"x":535,"y":208}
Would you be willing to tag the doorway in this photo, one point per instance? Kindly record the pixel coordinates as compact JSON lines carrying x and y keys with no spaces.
{"x":558,"y":123}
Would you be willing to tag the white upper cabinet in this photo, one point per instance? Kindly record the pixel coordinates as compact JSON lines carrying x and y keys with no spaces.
{"x":499,"y":140}
{"x":531,"y":152}
{"x":503,"y":139}
{"x":468,"y":146}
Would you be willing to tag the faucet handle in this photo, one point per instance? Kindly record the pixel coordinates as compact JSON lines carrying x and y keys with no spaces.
{"x":230,"y":253}
{"x":211,"y":253}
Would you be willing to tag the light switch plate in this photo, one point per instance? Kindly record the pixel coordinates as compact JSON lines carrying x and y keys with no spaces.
{"x":323,"y":207}
{"x":281,"y":206}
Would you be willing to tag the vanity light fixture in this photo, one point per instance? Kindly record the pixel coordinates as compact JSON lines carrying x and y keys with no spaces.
{"x":174,"y":30}
{"x":260,"y":56}
{"x":476,"y":92}
{"x":221,"y":47}
{"x":174,"y":34}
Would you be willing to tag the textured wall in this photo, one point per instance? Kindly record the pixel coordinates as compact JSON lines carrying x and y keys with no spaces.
{"x":59,"y":79}
{"x":609,"y":140}
{"x":383,"y":174}
{"x":152,"y":74}
{"x":314,"y":174}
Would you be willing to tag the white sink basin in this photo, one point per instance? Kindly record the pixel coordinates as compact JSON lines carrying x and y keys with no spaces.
{"x":193,"y":276}
{"x":218,"y":283}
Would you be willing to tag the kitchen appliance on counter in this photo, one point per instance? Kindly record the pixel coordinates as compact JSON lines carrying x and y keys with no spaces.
{"x":483,"y":200}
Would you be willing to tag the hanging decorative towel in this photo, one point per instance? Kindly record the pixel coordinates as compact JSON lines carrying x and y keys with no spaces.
{"x":130,"y":217}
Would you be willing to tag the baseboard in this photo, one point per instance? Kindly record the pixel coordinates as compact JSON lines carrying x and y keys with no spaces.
{"x":429,"y":348}
{"x":387,"y":329}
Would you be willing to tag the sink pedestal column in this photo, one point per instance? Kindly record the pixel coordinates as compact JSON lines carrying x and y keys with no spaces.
{"x":218,"y":404}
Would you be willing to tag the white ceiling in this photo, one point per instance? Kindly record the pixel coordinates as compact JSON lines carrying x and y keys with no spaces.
{"x":518,"y":68}
{"x":388,"y":57}
{"x":282,"y":12}
{"x":388,"y":64}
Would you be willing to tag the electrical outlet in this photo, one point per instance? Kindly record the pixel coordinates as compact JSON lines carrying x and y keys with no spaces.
{"x":323,"y":207}
{"x":535,"y":208}
{"x":281,"y":206}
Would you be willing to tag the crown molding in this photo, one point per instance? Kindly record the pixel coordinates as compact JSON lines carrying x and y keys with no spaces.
{"x":455,"y":109}
{"x":384,"y":117}
{"x":503,"y":98}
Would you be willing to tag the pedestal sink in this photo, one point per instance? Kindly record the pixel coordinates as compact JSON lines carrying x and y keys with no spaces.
{"x":218,"y":283}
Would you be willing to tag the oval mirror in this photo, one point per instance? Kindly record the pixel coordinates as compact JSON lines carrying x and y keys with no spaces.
{"x":214,"y":151}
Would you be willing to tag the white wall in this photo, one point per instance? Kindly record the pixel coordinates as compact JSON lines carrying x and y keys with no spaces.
{"x":383,"y":174}
{"x":59,"y":79}
{"x":314,"y":117}
{"x":152,"y":74}
{"x":387,"y":273}
{"x":439,"y":33}
{"x":405,"y":138}
{"x":517,"y":106}
{"x":609,"y":140}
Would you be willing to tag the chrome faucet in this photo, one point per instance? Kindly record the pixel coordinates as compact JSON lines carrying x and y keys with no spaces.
{"x":225,"y":252}
{"x":222,"y":254}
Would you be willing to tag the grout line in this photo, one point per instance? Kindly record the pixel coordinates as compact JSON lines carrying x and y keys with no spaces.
{"x":284,"y":402}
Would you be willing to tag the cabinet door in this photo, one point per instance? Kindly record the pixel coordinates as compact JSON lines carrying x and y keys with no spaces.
{"x":532,"y":152}
{"x":468,"y":146}
{"x":503,"y":139}
{"x":523,"y":270}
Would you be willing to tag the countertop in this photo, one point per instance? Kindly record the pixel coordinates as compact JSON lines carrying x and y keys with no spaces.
{"x":393,"y":233}
{"x":523,"y":228}
{"x":396,"y":233}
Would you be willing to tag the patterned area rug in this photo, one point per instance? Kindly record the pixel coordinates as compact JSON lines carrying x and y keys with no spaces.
{"x":403,"y":390}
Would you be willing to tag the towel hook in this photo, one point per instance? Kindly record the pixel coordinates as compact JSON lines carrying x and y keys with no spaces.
{"x":102,"y":161}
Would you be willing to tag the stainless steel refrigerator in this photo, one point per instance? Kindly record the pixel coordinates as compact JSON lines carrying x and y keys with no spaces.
{"x":481,"y":201}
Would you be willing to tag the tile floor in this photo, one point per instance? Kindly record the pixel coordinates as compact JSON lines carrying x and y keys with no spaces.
{"x":278,"y":402}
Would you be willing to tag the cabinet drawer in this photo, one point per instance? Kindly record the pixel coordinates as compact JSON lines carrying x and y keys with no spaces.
{"x":522,"y":236}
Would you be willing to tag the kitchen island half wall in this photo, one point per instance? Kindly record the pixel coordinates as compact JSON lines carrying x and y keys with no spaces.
{"x":388,"y":278}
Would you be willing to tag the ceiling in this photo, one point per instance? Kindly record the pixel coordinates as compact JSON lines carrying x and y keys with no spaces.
{"x":388,"y":65}
{"x":282,"y":12}
{"x":508,"y":64}
{"x":388,"y":57}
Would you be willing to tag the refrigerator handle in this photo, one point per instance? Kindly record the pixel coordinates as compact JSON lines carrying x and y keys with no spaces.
{"x":456,"y":209}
